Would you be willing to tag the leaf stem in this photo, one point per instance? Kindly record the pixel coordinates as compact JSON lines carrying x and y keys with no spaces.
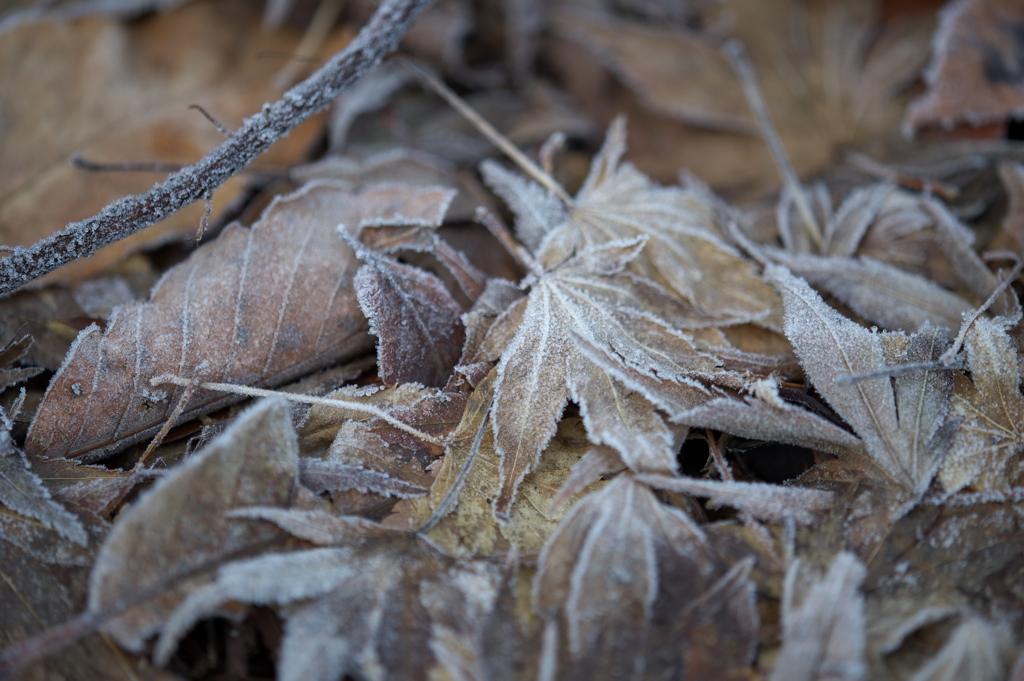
{"x":489,"y":131}
{"x":737,"y":56}
{"x":304,"y":399}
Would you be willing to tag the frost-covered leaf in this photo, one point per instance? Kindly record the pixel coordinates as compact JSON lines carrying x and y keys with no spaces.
{"x":901,"y":429}
{"x":416,"y":320}
{"x":977,"y":650}
{"x":602,"y":566}
{"x":256,"y":306}
{"x":10,"y":375}
{"x":986,"y":452}
{"x":469,"y":528}
{"x":588,"y":297}
{"x":355,"y":608}
{"x":765,"y":415}
{"x":975,"y":73}
{"x":823,"y":623}
{"x":636,"y":588}
{"x":176,"y":535}
{"x":23,"y":492}
{"x":879,"y":292}
{"x":686,"y":251}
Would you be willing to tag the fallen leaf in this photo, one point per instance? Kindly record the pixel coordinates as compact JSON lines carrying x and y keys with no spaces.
{"x":975,"y":75}
{"x":985,"y":454}
{"x":976,"y":650}
{"x":10,"y":353}
{"x":832,"y":75}
{"x":170,"y":542}
{"x":23,"y":492}
{"x":256,"y":306}
{"x":823,"y":623}
{"x":686,"y":253}
{"x":416,"y":320}
{"x":358,"y":605}
{"x":149,"y":72}
{"x":541,"y":367}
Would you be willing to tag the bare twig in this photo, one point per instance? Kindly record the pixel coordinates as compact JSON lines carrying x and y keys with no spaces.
{"x":257,"y":134}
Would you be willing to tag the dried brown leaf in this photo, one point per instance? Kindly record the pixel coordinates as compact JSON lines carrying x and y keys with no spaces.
{"x":832,"y":75}
{"x":902,"y":430}
{"x":588,"y":297}
{"x":602,"y":567}
{"x":148,"y":72}
{"x":256,"y":306}
{"x":416,"y":320}
{"x":974,"y":76}
{"x":172,"y":539}
{"x":686,"y":253}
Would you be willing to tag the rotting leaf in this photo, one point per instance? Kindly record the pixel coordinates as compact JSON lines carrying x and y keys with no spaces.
{"x":11,"y":352}
{"x":171,"y":541}
{"x":256,"y":306}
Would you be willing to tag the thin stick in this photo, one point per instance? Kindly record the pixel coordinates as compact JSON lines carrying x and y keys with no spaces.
{"x":737,"y":56}
{"x":217,"y":124}
{"x":186,"y":395}
{"x":304,"y":399}
{"x":123,"y":166}
{"x":204,"y":221}
{"x":258,"y":133}
{"x":488,"y":131}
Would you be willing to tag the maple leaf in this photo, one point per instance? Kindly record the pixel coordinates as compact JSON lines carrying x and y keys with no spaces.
{"x":687,"y":251}
{"x":985,"y":454}
{"x":590,"y":296}
{"x":910,"y":251}
{"x":614,"y":570}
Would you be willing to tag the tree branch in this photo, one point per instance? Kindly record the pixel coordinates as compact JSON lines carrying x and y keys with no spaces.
{"x":258,"y":133}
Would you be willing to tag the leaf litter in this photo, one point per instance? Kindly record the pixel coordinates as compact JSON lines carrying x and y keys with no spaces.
{"x":566,"y":476}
